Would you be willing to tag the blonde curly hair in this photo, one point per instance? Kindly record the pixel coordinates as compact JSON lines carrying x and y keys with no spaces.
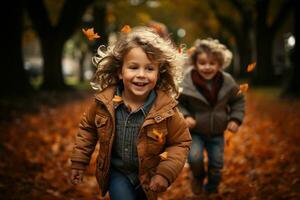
{"x":109,"y":61}
{"x":213,"y":47}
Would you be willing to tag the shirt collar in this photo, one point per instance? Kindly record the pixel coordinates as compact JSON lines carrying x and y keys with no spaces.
{"x":147,"y":105}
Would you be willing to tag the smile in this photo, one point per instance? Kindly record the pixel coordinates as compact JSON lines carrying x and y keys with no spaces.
{"x":140,"y":84}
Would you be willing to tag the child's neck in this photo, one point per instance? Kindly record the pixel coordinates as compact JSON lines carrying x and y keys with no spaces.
{"x":133,"y":104}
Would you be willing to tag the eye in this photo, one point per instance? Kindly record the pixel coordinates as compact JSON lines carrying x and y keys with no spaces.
{"x":132,"y":67}
{"x":201,"y":62}
{"x":150,"y":68}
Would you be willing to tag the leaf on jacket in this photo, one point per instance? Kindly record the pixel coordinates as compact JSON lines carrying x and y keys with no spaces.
{"x":243,"y":88}
{"x":163,"y":156}
{"x":90,"y":34}
{"x":126,"y":29}
{"x":251,"y":67}
{"x":158,"y":135}
{"x":117,"y":99}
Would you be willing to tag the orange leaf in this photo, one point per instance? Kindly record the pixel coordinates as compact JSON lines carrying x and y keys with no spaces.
{"x":126,"y":29}
{"x":158,"y":135}
{"x":191,"y":50}
{"x":157,"y":27}
{"x":251,"y":67}
{"x":243,"y":88}
{"x":90,"y":34}
{"x":163,"y":156}
{"x":117,"y":99}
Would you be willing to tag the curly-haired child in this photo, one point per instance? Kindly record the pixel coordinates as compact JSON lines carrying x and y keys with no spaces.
{"x":144,"y":140}
{"x":210,"y":104}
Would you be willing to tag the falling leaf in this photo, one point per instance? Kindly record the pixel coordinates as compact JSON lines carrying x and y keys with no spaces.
{"x":251,"y":67}
{"x":158,"y":135}
{"x":117,"y":99}
{"x":191,"y":50}
{"x":243,"y":88}
{"x":90,"y":34}
{"x":163,"y":156}
{"x":157,"y":27}
{"x":126,"y":29}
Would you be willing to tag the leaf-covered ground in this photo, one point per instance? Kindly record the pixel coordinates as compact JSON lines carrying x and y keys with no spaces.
{"x":36,"y":137}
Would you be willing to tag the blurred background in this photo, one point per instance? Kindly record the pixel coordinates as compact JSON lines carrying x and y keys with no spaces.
{"x":46,"y":67}
{"x":44,"y":48}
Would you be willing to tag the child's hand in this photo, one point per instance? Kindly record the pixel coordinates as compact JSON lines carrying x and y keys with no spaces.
{"x":233,"y":126}
{"x":191,"y":122}
{"x":158,"y":184}
{"x":76,"y":176}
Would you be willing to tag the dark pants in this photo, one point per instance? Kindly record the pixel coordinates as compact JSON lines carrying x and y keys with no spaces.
{"x":214,"y":147}
{"x":121,"y":188}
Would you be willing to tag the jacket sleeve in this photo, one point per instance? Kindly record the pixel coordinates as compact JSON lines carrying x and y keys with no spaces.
{"x":237,"y":107}
{"x":86,"y":140}
{"x":184,"y":106}
{"x":177,"y":146}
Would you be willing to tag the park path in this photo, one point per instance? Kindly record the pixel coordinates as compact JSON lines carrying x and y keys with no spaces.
{"x":261,"y":161}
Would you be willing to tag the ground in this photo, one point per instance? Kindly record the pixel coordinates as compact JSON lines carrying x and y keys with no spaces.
{"x":261,"y":161}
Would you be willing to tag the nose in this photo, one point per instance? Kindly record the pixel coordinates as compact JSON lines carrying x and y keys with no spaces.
{"x":141,"y":73}
{"x":207,"y":66}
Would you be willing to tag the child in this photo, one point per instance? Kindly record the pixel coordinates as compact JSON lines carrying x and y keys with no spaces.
{"x":210,"y":104}
{"x":144,"y":140}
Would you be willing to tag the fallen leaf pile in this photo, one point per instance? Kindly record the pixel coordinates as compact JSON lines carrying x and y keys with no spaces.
{"x":261,"y":162}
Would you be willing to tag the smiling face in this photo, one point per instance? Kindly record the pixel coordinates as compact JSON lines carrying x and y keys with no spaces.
{"x":207,"y":65}
{"x":139,"y":74}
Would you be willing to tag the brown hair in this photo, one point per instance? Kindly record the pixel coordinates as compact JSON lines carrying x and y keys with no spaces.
{"x":214,"y":48}
{"x":109,"y":61}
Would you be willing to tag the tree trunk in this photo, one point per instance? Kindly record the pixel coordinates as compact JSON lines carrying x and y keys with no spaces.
{"x":13,"y":77}
{"x":264,"y":73}
{"x":265,"y":34}
{"x":52,"y":55}
{"x":53,"y":37}
{"x":292,"y":86}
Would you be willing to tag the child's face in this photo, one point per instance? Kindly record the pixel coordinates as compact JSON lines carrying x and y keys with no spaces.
{"x":139,"y":74}
{"x":207,"y":65}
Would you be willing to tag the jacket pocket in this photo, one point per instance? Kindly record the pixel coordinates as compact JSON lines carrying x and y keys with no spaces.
{"x":156,"y":139}
{"x":102,"y":128}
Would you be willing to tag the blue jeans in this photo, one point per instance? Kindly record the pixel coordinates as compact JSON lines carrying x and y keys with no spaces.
{"x":214,"y":147}
{"x":121,"y":188}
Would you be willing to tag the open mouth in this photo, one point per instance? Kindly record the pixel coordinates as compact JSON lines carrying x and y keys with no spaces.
{"x":207,"y":73}
{"x":139,"y":84}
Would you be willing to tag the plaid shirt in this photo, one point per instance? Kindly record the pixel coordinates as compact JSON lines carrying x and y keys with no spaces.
{"x":128,"y":124}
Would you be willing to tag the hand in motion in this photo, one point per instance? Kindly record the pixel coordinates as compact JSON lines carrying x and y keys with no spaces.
{"x":233,"y":126}
{"x":77,"y":176}
{"x":158,"y":184}
{"x":191,"y":122}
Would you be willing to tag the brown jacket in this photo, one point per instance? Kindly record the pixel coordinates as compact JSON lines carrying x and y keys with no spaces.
{"x":98,"y":125}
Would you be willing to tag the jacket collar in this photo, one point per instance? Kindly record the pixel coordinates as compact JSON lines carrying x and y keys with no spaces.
{"x":188,"y":88}
{"x":161,"y":108}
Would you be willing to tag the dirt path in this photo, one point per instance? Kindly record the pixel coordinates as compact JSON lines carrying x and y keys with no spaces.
{"x":261,"y":161}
